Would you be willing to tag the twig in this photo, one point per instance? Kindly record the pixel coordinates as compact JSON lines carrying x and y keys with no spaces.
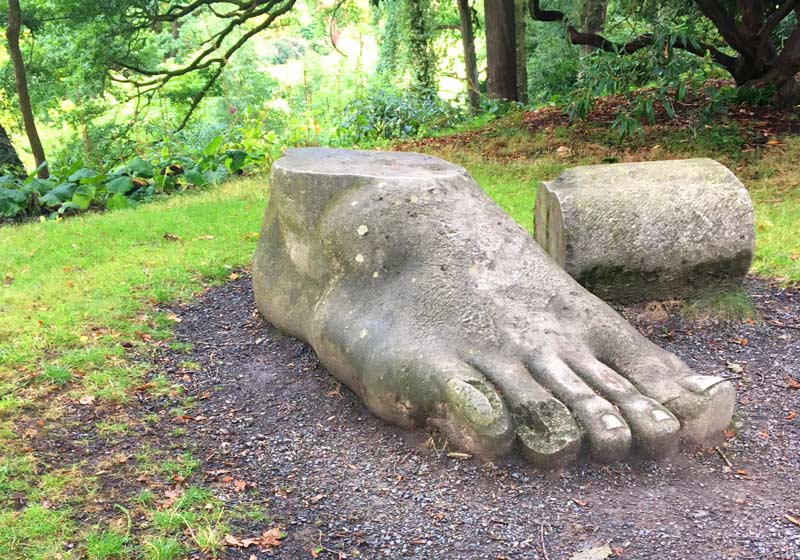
{"x":541,"y":538}
{"x":792,"y":520}
{"x":784,"y":325}
{"x":724,"y":458}
{"x":223,"y":343}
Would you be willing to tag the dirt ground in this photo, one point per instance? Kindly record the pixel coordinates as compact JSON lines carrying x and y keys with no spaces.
{"x":342,"y":483}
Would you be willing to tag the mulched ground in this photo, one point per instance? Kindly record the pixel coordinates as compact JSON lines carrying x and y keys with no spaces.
{"x":342,"y":483}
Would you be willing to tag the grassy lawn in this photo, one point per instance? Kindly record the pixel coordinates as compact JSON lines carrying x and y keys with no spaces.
{"x":79,"y":303}
{"x":77,"y":296}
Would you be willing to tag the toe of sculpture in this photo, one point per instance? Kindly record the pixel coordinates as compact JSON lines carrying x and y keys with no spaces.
{"x":706,"y":410}
{"x":476,"y":417}
{"x":546,"y":433}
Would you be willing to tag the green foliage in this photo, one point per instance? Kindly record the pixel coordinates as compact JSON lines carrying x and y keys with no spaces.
{"x":387,"y":113}
{"x":79,"y":188}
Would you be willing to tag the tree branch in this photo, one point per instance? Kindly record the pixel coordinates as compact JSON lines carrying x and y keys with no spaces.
{"x":726,"y":26}
{"x":597,"y":41}
{"x":538,"y":14}
{"x":777,"y":16}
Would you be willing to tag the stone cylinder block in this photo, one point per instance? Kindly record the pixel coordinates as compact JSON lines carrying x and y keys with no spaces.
{"x":633,"y":232}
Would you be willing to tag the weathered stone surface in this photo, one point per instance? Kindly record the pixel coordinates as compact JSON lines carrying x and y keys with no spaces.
{"x":431,"y":304}
{"x":632,"y":232}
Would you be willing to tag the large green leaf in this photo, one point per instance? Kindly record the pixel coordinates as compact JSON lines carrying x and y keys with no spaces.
{"x":217,"y":175}
{"x":11,"y":202}
{"x":61,"y":193}
{"x":195,"y":177}
{"x":236,"y":159}
{"x":117,"y":201}
{"x":41,"y":186}
{"x":213,"y":146}
{"x":86,"y":175}
{"x":83,"y":197}
{"x":120,"y":185}
{"x":141,"y":168}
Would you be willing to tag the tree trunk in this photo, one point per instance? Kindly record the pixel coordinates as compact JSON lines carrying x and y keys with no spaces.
{"x":24,"y":98}
{"x":501,"y":47}
{"x":9,"y":159}
{"x":593,"y":19}
{"x":520,"y":7}
{"x":470,"y":60}
{"x":424,"y":70}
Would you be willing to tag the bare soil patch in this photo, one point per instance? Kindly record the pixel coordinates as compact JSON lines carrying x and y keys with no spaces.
{"x":342,"y":483}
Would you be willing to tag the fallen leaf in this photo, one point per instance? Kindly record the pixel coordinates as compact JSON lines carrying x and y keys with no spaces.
{"x":87,"y":399}
{"x":734,"y":367}
{"x":230,"y":540}
{"x":582,"y":503}
{"x":729,"y":434}
{"x":791,"y":416}
{"x":143,"y":336}
{"x":773,"y":142}
{"x":270,"y":538}
{"x":316,"y":498}
{"x":239,"y":485}
{"x":170,"y":496}
{"x":595,"y":553}
{"x":741,"y":472}
{"x":233,"y":276}
{"x":763,"y":435}
{"x":740,"y":341}
{"x":792,"y":383}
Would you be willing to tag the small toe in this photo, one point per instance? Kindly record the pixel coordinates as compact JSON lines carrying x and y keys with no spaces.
{"x":655,"y":429}
{"x":546,"y":433}
{"x":607,"y":434}
{"x":703,"y":404}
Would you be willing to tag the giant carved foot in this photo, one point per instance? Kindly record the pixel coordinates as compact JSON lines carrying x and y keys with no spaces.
{"x":429,"y":302}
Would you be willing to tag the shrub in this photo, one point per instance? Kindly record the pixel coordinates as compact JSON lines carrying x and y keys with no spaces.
{"x":386,"y":113}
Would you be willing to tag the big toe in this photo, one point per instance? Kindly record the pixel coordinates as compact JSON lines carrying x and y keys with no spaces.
{"x":704,"y":407}
{"x":474,"y":415}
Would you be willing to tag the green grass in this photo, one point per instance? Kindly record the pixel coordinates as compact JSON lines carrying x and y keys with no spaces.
{"x":734,"y":305}
{"x":75,"y":294}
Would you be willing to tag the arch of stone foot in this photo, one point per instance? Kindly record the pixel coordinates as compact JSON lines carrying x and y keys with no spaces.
{"x":436,"y":308}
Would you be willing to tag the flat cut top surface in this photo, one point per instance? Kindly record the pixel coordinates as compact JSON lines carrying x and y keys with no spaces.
{"x":331,"y":161}
{"x":647,"y":175}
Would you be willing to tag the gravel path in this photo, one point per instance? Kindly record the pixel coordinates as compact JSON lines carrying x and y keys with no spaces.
{"x":344,"y":484}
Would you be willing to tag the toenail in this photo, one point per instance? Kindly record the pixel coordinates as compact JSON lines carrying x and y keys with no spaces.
{"x":701,"y":383}
{"x":661,"y":415}
{"x":612,"y":422}
{"x":472,"y":402}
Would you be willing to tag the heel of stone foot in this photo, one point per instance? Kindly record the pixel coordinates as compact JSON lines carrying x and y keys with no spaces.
{"x":475,"y":418}
{"x":547,"y":435}
{"x":708,"y":409}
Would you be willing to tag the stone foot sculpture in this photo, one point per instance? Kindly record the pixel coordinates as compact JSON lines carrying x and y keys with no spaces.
{"x":428,"y":301}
